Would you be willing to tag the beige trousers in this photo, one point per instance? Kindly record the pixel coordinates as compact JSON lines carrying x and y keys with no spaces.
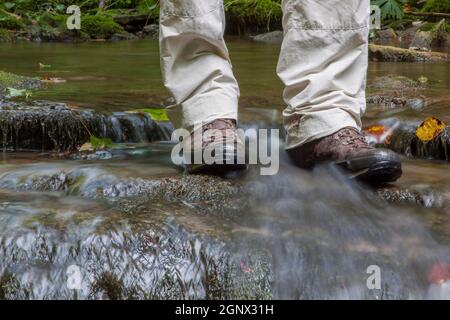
{"x":323,"y":64}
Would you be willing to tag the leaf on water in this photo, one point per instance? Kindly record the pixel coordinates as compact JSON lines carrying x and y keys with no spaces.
{"x":14,"y":93}
{"x":43,"y":66}
{"x":100,"y":143}
{"x":377,"y":134}
{"x":423,"y":80}
{"x":430,"y":129}
{"x":86,"y":147}
{"x":377,"y":130}
{"x":157,"y":114}
{"x":47,"y":79}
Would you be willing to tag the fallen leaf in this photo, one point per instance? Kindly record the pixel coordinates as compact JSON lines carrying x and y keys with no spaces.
{"x":157,"y":114}
{"x":43,"y":66}
{"x":430,"y":129}
{"x":378,"y":134}
{"x":377,"y":130}
{"x":423,"y":80}
{"x":86,"y":147}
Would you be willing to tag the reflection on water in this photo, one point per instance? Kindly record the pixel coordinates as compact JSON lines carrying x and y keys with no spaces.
{"x":125,"y":75}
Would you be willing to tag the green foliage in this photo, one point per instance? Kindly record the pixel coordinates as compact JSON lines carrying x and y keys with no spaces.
{"x":390,"y":9}
{"x":10,"y":79}
{"x":148,"y":7}
{"x":100,"y":143}
{"x":54,"y":20}
{"x":5,"y":36}
{"x":36,"y":5}
{"x":259,"y":11}
{"x":157,"y":114}
{"x":99,"y":26}
{"x":442,"y":6}
{"x":434,"y":27}
{"x":10,"y":22}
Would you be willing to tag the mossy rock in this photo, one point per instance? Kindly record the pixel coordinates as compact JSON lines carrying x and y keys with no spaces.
{"x":5,"y":36}
{"x":401,"y":24}
{"x":18,"y":82}
{"x":100,"y":27}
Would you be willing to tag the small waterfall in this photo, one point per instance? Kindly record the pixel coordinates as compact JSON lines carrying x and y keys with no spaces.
{"x":45,"y":126}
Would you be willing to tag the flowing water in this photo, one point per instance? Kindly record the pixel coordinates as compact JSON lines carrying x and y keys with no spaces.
{"x":134,"y":226}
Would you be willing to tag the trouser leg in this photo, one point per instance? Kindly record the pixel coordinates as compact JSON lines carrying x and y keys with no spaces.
{"x":323,"y":64}
{"x":195,"y":62}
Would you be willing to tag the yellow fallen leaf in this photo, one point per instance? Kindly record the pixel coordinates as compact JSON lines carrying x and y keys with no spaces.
{"x":378,"y":133}
{"x":376,"y":130}
{"x":86,"y":147}
{"x":430,"y":129}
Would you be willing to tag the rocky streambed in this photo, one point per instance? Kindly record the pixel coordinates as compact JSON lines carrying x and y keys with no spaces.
{"x":123,"y":222}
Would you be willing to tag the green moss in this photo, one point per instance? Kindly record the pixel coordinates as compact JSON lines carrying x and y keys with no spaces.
{"x":10,"y":23}
{"x":437,"y":6}
{"x":100,"y":27}
{"x":5,"y":36}
{"x":259,"y":11}
{"x":52,"y":19}
{"x":11,"y":80}
{"x":432,"y":26}
{"x":157,"y":114}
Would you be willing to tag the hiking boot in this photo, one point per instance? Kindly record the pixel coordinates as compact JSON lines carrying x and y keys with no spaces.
{"x":349,"y":149}
{"x":215,"y":148}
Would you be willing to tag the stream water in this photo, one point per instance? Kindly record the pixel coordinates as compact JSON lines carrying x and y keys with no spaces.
{"x":134,"y":226}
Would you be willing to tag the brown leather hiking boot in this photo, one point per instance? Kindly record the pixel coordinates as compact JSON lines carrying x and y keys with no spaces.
{"x":349,"y":149}
{"x":215,"y":148}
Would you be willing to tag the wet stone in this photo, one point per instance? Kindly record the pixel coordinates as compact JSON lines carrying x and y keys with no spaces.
{"x":45,"y":126}
{"x":405,"y":141}
{"x":394,"y":54}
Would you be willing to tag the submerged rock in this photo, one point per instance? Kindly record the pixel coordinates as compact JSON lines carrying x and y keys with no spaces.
{"x":270,"y":37}
{"x":396,"y":83}
{"x":385,"y":36}
{"x":422,"y":41}
{"x":390,"y":102}
{"x":394,"y":54}
{"x":48,"y":126}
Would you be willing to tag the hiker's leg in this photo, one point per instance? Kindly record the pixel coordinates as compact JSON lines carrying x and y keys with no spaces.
{"x":323,"y":65}
{"x":195,"y":62}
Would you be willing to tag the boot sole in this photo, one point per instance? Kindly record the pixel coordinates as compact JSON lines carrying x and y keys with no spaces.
{"x":230,"y":164}
{"x":378,"y":168}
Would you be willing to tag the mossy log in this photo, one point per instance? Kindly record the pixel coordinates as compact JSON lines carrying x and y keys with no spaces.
{"x":394,"y":54}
